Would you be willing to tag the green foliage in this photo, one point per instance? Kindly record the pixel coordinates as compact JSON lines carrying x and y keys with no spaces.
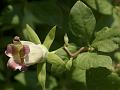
{"x":50,"y":38}
{"x":30,"y":34}
{"x":89,"y":60}
{"x":41,"y":74}
{"x":102,"y":6}
{"x":25,"y":80}
{"x":106,"y":46}
{"x":79,"y":75}
{"x":52,"y":84}
{"x":62,"y":54}
{"x":54,"y":59}
{"x":102,"y":79}
{"x":21,"y":78}
{"x":69,"y":64}
{"x":82,"y":21}
{"x":116,"y":15}
{"x":92,"y":24}
{"x":58,"y":65}
{"x":107,"y":40}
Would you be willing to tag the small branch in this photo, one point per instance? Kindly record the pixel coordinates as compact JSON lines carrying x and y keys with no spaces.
{"x":73,"y":55}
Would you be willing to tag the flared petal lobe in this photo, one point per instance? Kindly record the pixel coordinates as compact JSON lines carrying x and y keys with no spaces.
{"x":8,"y":52}
{"x":15,"y":66}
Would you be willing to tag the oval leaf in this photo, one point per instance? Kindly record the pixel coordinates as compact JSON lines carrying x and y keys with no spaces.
{"x":107,"y":40}
{"x":106,"y":45}
{"x":89,"y":60}
{"x":82,"y":21}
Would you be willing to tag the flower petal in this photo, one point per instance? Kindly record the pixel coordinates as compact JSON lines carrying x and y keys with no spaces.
{"x":26,"y":49}
{"x":9,"y":50}
{"x":35,"y":55}
{"x":27,"y":43}
{"x":15,"y":66}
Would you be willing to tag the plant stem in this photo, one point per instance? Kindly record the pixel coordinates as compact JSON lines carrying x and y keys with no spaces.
{"x":73,"y":55}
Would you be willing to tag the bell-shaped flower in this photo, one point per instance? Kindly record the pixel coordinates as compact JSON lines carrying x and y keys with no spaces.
{"x":24,"y":53}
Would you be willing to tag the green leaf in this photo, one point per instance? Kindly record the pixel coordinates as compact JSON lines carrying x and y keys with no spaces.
{"x":41,"y":74}
{"x":30,"y":35}
{"x":58,"y":65}
{"x":26,"y":79}
{"x":89,"y":60}
{"x":106,"y":33}
{"x":116,"y":16}
{"x":102,"y":79}
{"x":69,"y":64}
{"x":62,"y":54}
{"x":46,"y":12}
{"x":82,"y":21}
{"x":107,"y":40}
{"x":54,"y":59}
{"x":58,"y":69}
{"x":50,"y":38}
{"x":102,"y":6}
{"x":51,"y":83}
{"x":21,"y":78}
{"x":106,"y":45}
{"x":79,"y":75}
